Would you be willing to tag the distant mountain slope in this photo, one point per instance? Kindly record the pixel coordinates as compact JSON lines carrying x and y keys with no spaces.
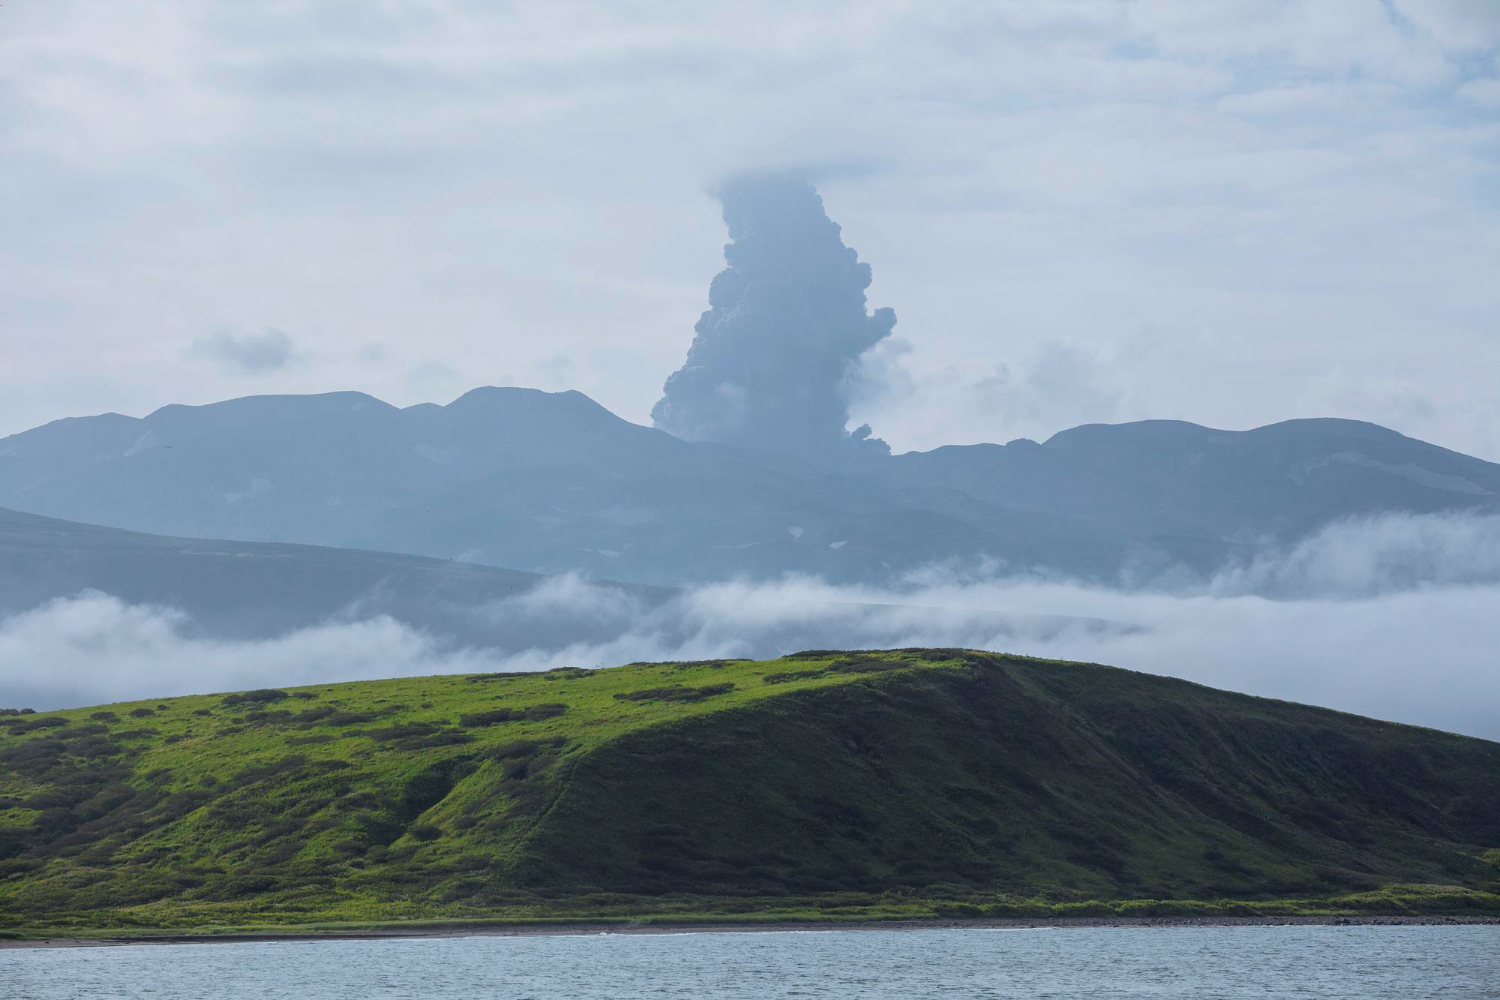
{"x":292,"y":467}
{"x":249,"y":590}
{"x":553,"y":482}
{"x":545,"y":482}
{"x":1177,"y":478}
{"x":824,"y":785}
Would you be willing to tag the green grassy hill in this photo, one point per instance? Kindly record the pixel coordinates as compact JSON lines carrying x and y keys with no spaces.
{"x":904,"y":783}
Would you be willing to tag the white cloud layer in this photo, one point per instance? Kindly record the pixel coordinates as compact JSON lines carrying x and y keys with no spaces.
{"x":1231,"y":212}
{"x":1416,"y":644}
{"x":93,"y":648}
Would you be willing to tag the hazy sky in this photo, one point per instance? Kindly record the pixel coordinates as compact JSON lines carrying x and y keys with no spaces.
{"x":1231,"y":212}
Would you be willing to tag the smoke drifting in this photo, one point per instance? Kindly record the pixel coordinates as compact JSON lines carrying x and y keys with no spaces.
{"x":770,"y":361}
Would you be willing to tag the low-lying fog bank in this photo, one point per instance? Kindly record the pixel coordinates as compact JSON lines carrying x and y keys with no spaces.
{"x":1388,"y":618}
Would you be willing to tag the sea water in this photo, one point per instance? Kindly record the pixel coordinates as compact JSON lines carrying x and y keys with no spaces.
{"x":1197,"y":962}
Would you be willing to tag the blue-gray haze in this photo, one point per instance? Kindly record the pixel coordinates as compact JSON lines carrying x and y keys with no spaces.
{"x":1362,"y":537}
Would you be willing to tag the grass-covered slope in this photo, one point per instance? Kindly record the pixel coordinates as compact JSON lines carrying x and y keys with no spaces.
{"x":901,"y":783}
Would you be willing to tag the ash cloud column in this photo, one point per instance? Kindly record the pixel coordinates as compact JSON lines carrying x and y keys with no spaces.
{"x":786,"y":323}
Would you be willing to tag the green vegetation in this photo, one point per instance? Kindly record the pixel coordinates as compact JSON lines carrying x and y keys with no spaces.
{"x":825,"y":785}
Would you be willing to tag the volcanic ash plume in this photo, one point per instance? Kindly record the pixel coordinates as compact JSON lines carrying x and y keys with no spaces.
{"x":786,"y":324}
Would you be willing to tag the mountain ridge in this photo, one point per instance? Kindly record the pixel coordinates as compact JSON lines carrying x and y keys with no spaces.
{"x":554,"y":482}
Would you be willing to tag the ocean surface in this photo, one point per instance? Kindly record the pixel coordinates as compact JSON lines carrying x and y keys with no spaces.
{"x":1197,"y":962}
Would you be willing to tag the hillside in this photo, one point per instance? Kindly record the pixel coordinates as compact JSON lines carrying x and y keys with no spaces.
{"x":832,"y":784}
{"x":244,"y":590}
{"x":554,"y":482}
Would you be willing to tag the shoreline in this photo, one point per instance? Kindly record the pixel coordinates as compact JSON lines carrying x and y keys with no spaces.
{"x":591,"y":928}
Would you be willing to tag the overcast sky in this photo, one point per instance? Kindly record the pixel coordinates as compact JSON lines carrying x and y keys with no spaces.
{"x":1232,"y":212}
